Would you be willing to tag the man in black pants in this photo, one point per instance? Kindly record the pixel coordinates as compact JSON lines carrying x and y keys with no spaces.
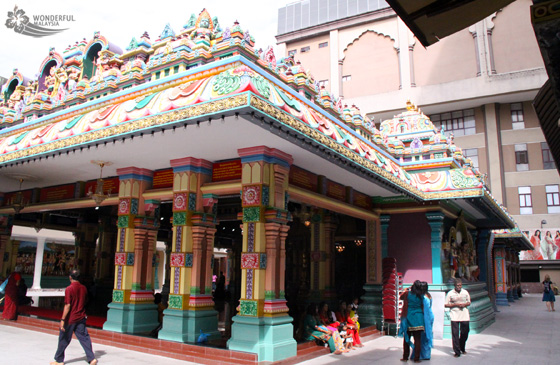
{"x":458,"y":300}
{"x":74,"y":321}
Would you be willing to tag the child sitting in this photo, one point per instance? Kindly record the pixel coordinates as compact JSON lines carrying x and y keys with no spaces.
{"x":348,"y":340}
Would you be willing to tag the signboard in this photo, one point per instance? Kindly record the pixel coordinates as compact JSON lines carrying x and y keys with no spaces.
{"x":54,"y":193}
{"x":110,"y":186}
{"x":546,"y":242}
{"x":303,"y":179}
{"x":227,"y":170}
{"x":362,"y":200}
{"x":27,"y":197}
{"x":336,"y":191}
{"x":163,"y":179}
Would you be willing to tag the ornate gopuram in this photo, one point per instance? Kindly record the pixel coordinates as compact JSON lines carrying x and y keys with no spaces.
{"x":200,"y":142}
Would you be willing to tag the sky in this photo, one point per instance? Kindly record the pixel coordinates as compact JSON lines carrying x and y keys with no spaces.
{"x":119,"y":21}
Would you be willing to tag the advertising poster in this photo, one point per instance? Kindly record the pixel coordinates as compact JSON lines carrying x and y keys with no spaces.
{"x":546,"y":242}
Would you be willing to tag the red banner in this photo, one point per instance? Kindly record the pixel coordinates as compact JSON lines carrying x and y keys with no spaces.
{"x":227,"y":170}
{"x":163,"y":179}
{"x":303,"y":178}
{"x":54,"y":193}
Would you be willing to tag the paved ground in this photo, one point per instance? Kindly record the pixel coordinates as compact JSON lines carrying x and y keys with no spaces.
{"x":524,"y":333}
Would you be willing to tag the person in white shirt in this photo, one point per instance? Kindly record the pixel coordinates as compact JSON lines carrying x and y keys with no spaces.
{"x":457,"y":300}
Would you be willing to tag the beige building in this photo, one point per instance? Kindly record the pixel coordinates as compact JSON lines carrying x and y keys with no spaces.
{"x":478,"y":83}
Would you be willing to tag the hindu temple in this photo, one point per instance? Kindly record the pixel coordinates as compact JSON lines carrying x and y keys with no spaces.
{"x":223,"y":177}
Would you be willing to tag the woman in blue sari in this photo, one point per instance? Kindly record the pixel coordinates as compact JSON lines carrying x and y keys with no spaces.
{"x":428,"y":334}
{"x":413,"y":324}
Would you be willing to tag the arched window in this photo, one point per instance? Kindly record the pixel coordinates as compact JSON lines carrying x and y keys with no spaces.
{"x":10,"y":89}
{"x":90,"y":59}
{"x":44,"y":73}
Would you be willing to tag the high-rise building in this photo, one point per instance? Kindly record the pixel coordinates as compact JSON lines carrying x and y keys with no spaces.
{"x":477,"y":84}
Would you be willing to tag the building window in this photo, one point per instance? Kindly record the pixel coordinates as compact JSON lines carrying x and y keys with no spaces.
{"x":346,"y":78}
{"x":548,"y":161}
{"x":472,"y":153}
{"x":166,"y":72}
{"x":324,"y":83}
{"x":525,"y":201}
{"x":305,"y":49}
{"x":292,"y":52}
{"x":460,"y":123}
{"x":552,"y":199}
{"x":517,"y":121}
{"x":521,"y":157}
{"x":323,"y":45}
{"x":175,"y":70}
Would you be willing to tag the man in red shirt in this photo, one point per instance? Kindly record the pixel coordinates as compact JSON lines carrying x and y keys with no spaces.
{"x":74,"y":321}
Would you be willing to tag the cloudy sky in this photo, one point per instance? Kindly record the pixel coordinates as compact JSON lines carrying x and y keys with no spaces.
{"x":119,"y":21}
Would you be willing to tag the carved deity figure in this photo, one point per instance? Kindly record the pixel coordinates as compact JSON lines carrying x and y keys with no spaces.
{"x":29,"y":93}
{"x":204,"y":27}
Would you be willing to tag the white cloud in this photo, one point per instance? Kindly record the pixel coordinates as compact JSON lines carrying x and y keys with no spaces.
{"x":119,"y":21}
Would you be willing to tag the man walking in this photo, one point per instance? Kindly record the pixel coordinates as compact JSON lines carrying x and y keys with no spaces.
{"x":74,"y":321}
{"x":458,"y":300}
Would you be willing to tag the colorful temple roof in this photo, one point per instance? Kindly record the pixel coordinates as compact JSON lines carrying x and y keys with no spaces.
{"x":94,"y":91}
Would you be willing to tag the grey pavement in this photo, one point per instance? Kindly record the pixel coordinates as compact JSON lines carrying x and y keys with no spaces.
{"x":524,"y":333}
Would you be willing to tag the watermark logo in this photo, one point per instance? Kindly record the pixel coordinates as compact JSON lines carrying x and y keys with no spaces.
{"x":41,"y":26}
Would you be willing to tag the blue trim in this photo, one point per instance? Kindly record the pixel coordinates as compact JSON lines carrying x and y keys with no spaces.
{"x":435,"y":220}
{"x":197,"y":169}
{"x":136,"y":177}
{"x":265,"y":158}
{"x":501,"y":299}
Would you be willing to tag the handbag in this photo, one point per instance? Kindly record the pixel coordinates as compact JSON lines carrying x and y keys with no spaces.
{"x":3,"y":286}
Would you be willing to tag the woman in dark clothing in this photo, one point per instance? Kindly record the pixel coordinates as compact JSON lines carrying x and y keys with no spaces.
{"x":548,"y":294}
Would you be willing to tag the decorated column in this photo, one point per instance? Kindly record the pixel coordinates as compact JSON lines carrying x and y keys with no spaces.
{"x":385,"y":218}
{"x":328,"y":228}
{"x":435,"y":220}
{"x":5,"y":233}
{"x":191,"y":308}
{"x":132,"y":309}
{"x":371,"y":310}
{"x":510,"y":284}
{"x":86,"y":239}
{"x":322,"y":256}
{"x":262,"y":325}
{"x":500,"y":274}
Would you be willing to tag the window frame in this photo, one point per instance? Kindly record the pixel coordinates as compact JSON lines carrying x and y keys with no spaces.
{"x":525,"y":200}
{"x":517,"y":116}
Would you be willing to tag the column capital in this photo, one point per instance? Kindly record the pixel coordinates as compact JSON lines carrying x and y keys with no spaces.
{"x":191,"y":164}
{"x":135,"y":173}
{"x":435,"y":216}
{"x":266,"y":154}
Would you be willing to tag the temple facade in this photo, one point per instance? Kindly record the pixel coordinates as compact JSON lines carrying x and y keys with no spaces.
{"x":201,"y":142}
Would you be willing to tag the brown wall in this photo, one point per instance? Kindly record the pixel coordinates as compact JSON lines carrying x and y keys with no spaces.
{"x":538,"y":195}
{"x":535,"y":156}
{"x":505,"y":116}
{"x":513,"y":39}
{"x":452,"y":58}
{"x":479,"y":120}
{"x":512,"y":197}
{"x":372,"y":62}
{"x":508,"y":152}
{"x":319,"y":70}
{"x":530,"y":116}
{"x":482,"y":163}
